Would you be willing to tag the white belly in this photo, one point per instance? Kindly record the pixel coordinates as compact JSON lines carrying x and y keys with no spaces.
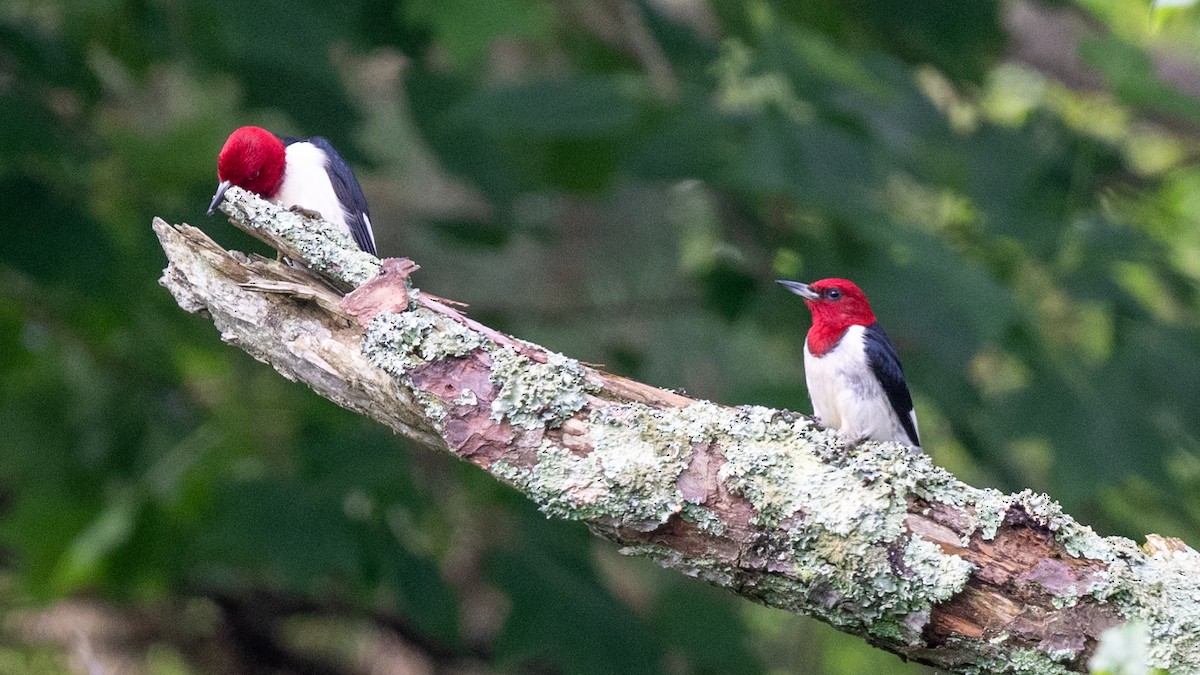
{"x":306,"y":184}
{"x":846,"y":395}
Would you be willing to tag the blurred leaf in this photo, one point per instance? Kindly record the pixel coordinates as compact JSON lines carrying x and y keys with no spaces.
{"x":468,"y":29}
{"x":1134,"y":78}
{"x":597,"y":634}
{"x":51,"y":238}
{"x":468,"y":151}
{"x":584,"y":107}
{"x":690,"y":141}
{"x":470,"y":234}
{"x":282,"y":55}
{"x":40,"y":59}
{"x":112,"y":528}
{"x":962,"y":40}
{"x":697,"y":621}
{"x":282,"y":532}
{"x":818,"y":165}
{"x":1031,"y":250}
{"x":728,"y":290}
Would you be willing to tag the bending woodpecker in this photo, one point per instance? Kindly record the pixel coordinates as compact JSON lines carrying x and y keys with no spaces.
{"x":854,"y":376}
{"x":307,"y":175}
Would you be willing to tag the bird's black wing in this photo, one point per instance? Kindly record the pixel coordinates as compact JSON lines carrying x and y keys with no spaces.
{"x":884,"y":362}
{"x":349,"y":193}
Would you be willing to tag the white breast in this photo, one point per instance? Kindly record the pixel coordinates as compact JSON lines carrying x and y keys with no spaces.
{"x":846,"y":395}
{"x":306,"y":183}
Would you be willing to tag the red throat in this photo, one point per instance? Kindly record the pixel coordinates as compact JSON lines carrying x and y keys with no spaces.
{"x":841,"y":305}
{"x":253,"y":158}
{"x":823,"y":338}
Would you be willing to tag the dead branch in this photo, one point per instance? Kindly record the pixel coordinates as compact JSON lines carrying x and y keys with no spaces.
{"x":873,"y":539}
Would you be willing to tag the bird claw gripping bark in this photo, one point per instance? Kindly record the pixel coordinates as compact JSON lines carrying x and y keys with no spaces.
{"x":307,"y":213}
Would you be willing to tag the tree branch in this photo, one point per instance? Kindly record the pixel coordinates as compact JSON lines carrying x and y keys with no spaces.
{"x":872,"y":539}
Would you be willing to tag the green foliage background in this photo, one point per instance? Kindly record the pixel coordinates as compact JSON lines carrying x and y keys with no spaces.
{"x":620,"y":181}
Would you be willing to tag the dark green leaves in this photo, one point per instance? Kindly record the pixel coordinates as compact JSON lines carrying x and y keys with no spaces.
{"x":567,"y":108}
{"x":1031,"y":250}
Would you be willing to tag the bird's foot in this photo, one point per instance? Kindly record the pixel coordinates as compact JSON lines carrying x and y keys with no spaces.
{"x":854,"y":444}
{"x":307,"y":213}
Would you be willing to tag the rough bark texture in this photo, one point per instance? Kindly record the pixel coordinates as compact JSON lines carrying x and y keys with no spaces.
{"x":873,"y":539}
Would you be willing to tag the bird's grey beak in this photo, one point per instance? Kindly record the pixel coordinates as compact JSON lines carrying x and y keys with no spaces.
{"x":217,"y":197}
{"x":799,"y":289}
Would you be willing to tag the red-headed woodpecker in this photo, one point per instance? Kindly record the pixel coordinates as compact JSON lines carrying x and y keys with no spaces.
{"x":306,"y":174}
{"x":854,"y":376}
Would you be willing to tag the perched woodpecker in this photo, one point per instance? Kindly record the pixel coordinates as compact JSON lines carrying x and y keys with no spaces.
{"x":854,"y":376}
{"x":306,"y":175}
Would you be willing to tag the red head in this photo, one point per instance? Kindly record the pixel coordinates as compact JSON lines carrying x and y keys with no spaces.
{"x":836,"y":304}
{"x":253,"y":159}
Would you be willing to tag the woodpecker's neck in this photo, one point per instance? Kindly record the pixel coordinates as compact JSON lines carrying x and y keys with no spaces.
{"x":823,"y":337}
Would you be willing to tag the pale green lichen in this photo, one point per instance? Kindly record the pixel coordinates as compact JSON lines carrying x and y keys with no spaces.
{"x":834,"y":513}
{"x":510,"y":474}
{"x":1018,"y":662}
{"x":1163,"y":592}
{"x":1079,"y":540}
{"x":324,"y":247}
{"x":837,"y":513}
{"x":1062,"y":654}
{"x":697,"y":567}
{"x":629,"y":476}
{"x":990,"y":508}
{"x":1069,"y":599}
{"x":703,"y":518}
{"x":529,"y":394}
{"x":986,"y":510}
{"x":533,"y":394}
{"x":949,"y":572}
{"x":397,"y":342}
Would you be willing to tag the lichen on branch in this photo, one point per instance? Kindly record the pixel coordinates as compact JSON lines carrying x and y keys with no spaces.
{"x":874,"y":539}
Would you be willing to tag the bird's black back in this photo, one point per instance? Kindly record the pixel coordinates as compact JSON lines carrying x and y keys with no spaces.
{"x":885,"y":363}
{"x":347,"y":190}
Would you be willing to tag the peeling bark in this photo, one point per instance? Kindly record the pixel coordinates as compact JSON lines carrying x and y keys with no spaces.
{"x":873,"y":539}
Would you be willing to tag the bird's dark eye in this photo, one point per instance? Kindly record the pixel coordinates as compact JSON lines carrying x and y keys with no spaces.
{"x":833,"y":294}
